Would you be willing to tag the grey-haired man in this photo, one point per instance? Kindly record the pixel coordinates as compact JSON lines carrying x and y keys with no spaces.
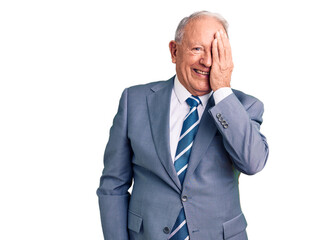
{"x":184,"y":141}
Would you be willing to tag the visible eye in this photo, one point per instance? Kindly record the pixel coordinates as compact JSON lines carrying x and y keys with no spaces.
{"x":197,"y":49}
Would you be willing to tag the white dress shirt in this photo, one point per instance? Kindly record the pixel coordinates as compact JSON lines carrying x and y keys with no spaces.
{"x":179,"y":108}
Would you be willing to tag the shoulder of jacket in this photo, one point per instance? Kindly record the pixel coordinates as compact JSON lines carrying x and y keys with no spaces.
{"x":150,"y":87}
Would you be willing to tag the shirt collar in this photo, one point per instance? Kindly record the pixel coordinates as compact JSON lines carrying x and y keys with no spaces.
{"x":182,"y":94}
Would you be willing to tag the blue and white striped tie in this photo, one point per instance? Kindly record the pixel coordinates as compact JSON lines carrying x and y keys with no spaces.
{"x":189,"y":130}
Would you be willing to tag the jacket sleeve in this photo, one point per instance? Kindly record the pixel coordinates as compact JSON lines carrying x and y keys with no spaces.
{"x":239,"y":125}
{"x":116,"y":178}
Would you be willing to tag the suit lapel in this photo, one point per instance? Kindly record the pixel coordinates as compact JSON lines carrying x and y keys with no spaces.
{"x":159,"y":109}
{"x":205,"y":135}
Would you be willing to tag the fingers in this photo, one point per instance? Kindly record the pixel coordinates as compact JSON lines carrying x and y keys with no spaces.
{"x":224,"y":49}
{"x":214,"y":50}
{"x":221,"y":50}
{"x":227,"y":47}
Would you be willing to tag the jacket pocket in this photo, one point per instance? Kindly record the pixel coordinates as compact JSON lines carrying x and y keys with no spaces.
{"x":134,"y":221}
{"x":234,"y":226}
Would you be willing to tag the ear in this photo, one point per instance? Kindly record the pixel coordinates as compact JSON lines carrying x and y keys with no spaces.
{"x":173,"y":50}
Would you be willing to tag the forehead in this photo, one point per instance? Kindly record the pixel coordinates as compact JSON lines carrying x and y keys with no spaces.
{"x":201,"y":30}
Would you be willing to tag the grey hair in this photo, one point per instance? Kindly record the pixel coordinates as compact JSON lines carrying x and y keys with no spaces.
{"x":182,"y":24}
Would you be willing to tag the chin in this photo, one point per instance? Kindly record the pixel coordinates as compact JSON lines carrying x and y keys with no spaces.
{"x":202,"y":91}
{"x":204,"y":88}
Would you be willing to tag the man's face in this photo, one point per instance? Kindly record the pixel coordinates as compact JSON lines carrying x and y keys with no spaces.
{"x":193,"y":56}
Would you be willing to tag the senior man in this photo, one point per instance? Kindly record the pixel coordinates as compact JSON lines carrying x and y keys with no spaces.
{"x":184,"y":142}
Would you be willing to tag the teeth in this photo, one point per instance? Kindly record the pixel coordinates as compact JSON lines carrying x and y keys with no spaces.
{"x":201,"y":72}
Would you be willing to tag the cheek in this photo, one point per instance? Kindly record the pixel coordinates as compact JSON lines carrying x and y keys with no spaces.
{"x":191,"y":64}
{"x":191,"y":59}
{"x":186,"y":69}
{"x":187,"y":63}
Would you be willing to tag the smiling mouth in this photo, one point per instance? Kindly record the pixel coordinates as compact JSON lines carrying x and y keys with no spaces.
{"x":201,"y":72}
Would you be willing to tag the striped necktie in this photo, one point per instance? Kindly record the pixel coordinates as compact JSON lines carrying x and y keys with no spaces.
{"x":189,"y":130}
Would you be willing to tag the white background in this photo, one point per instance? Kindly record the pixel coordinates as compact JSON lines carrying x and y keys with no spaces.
{"x":64,"y":64}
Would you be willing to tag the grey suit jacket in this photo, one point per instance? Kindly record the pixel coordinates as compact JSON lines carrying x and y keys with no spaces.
{"x":228,"y":142}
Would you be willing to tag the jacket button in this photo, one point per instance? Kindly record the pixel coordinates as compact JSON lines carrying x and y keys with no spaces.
{"x":166,"y":230}
{"x":218,"y":115}
{"x":184,"y":198}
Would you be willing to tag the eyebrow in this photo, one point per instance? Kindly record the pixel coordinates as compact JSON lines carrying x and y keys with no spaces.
{"x":195,"y":43}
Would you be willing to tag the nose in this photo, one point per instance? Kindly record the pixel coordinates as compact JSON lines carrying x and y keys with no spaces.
{"x":206,"y":59}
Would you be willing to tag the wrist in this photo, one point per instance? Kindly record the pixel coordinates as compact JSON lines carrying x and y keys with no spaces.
{"x":223,"y":85}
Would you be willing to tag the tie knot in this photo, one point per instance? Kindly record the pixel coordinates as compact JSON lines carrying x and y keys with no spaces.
{"x":193,"y":101}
